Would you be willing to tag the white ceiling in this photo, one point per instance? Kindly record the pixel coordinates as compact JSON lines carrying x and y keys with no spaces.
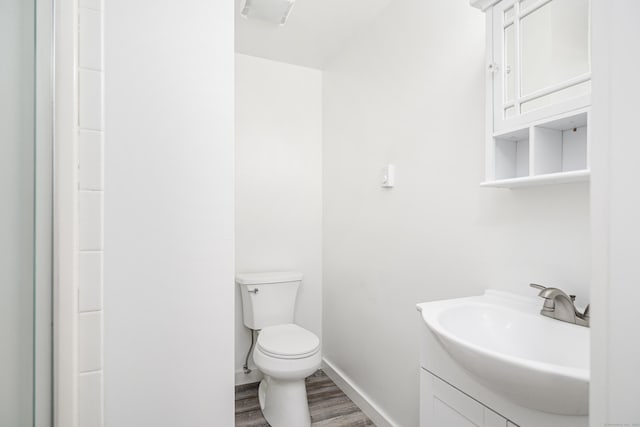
{"x":314,"y":33}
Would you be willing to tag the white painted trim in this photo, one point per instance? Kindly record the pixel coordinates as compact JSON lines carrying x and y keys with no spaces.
{"x":602,"y":39}
{"x":65,"y":304}
{"x":253,"y":377}
{"x":483,"y":5}
{"x":359,"y":397}
{"x":43,"y":348}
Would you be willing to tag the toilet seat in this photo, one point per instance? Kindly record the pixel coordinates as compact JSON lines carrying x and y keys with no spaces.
{"x":287,"y":341}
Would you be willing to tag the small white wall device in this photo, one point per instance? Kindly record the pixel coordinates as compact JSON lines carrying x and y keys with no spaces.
{"x":388,"y":176}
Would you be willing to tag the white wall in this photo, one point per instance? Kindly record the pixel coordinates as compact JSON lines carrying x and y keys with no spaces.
{"x":278,"y":182}
{"x":17,"y":122}
{"x":615,"y":349}
{"x":168,"y":248}
{"x":409,"y":90}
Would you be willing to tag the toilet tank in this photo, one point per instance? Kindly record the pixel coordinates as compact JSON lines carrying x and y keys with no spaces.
{"x":268,"y":298}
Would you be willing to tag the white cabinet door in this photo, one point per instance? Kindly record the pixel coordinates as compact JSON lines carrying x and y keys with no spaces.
{"x":442,"y":405}
{"x":541,"y":64}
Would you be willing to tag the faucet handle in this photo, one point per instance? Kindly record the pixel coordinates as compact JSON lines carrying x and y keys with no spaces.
{"x":549,"y":304}
{"x":551,"y":292}
{"x":535,"y":285}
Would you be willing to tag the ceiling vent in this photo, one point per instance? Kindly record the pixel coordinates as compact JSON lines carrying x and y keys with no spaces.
{"x":273,"y":11}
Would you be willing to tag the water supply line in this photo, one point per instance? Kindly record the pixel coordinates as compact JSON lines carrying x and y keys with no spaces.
{"x":245,"y":368}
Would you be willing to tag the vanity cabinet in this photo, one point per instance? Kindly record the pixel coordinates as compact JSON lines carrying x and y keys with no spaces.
{"x":443,"y":405}
{"x":538,"y":89}
{"x":452,"y":395}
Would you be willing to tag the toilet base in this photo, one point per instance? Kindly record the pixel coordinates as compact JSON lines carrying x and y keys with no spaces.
{"x":284,"y":402}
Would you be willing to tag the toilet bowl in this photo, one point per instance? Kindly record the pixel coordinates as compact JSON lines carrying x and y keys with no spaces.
{"x":286,"y":355}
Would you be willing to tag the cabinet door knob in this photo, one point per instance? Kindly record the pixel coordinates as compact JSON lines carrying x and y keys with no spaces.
{"x":493,"y":67}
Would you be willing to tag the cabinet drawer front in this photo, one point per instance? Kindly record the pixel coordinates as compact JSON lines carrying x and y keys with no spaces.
{"x":493,"y":419}
{"x":445,"y":415}
{"x":458,"y":402}
{"x":443,"y":405}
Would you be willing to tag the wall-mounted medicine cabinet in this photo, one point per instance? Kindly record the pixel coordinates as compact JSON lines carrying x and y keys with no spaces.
{"x":538,"y":91}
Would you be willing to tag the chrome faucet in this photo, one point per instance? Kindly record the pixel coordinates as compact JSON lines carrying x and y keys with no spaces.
{"x":558,"y":305}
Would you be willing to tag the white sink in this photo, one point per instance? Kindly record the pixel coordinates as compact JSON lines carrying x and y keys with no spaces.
{"x":503,"y":341}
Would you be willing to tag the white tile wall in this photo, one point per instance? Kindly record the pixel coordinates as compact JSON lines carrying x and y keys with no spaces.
{"x":90,"y":213}
{"x":90,"y":158}
{"x":90,"y":40}
{"x":90,"y":99}
{"x":90,"y":4}
{"x":90,"y":220}
{"x":90,"y":281}
{"x":90,"y":400}
{"x":90,"y":341}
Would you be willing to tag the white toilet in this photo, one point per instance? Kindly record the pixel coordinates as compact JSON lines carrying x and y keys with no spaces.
{"x":285,"y":353}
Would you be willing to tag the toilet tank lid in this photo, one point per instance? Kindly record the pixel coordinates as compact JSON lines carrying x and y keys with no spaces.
{"x":271,"y":277}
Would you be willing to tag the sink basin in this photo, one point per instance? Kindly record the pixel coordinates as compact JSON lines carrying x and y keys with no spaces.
{"x":502,"y":340}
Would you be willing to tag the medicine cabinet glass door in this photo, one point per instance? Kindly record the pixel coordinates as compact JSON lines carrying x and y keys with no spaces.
{"x":541,"y":59}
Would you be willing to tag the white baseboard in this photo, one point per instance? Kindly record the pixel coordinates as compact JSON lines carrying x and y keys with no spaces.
{"x":253,"y":377}
{"x":364,"y":402}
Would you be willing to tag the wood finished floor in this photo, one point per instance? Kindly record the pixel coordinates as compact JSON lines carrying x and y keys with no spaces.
{"x":328,"y":405}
